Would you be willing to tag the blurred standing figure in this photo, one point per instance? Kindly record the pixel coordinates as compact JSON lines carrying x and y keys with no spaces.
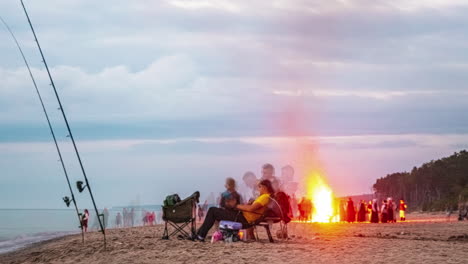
{"x":384,"y":211}
{"x":201,"y":210}
{"x":249,"y":188}
{"x":125,"y":217}
{"x":391,"y":210}
{"x":305,"y":209}
{"x":84,"y":220}
{"x":287,"y":180}
{"x":369,"y":210}
{"x":106,"y":217}
{"x":362,"y":212}
{"x":268,"y":172}
{"x":351,"y":212}
{"x":294,"y":205}
{"x":153,"y":218}
{"x":200,"y":213}
{"x":375,"y":212}
{"x":403,"y":207}
{"x":342,"y":210}
{"x":118,"y":220}
{"x":132,"y":216}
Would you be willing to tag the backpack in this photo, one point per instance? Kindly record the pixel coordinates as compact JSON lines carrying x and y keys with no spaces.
{"x":284,"y":204}
{"x":171,"y":200}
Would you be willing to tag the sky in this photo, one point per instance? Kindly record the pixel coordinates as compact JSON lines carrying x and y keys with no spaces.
{"x":174,"y":96}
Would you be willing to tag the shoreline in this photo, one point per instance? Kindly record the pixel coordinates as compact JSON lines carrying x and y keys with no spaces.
{"x":30,"y":240}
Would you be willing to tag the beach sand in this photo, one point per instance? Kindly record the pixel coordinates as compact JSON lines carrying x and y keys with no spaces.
{"x":425,"y":238}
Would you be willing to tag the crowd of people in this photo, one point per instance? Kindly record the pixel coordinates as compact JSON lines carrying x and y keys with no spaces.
{"x":371,"y":211}
{"x":127,"y":217}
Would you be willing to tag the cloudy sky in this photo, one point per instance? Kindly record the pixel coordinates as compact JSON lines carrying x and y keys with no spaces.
{"x":174,"y":96}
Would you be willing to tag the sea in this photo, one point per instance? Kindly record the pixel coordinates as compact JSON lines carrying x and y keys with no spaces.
{"x":20,"y":228}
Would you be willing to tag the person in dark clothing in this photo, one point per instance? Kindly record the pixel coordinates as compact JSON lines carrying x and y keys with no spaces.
{"x":362,"y":212}
{"x":375,"y":212}
{"x":245,"y":213}
{"x":384,"y":217}
{"x":351,"y":212}
{"x":391,"y":211}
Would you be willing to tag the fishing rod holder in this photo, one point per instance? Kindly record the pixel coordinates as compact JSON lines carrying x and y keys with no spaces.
{"x":79,"y":185}
{"x":67,"y":200}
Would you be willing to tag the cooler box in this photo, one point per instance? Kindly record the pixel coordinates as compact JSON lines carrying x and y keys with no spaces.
{"x":229,"y":225}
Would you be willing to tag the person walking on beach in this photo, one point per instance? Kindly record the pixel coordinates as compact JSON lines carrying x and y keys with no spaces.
{"x":403,"y":207}
{"x":84,"y":220}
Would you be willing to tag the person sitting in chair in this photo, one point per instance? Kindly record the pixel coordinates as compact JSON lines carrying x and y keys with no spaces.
{"x":230,"y":198}
{"x":245,"y":213}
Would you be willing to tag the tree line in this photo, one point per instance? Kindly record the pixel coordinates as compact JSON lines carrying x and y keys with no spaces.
{"x":436,"y":185}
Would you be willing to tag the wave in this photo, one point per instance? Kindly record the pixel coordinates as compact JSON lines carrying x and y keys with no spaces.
{"x":23,"y":241}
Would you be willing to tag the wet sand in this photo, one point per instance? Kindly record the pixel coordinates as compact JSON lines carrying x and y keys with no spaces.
{"x":425,"y":238}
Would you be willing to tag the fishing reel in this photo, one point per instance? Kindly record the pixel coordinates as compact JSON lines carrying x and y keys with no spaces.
{"x":67,"y":200}
{"x":79,"y":185}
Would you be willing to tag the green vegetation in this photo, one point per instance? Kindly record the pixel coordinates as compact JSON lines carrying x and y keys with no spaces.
{"x":436,"y":185}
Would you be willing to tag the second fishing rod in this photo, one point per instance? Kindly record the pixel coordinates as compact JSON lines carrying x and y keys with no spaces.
{"x":80,"y":187}
{"x":66,"y":199}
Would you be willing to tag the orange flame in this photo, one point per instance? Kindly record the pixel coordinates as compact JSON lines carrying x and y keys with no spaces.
{"x":322,"y":198}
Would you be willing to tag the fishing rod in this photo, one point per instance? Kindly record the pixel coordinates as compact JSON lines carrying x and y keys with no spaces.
{"x":79,"y":183}
{"x":66,"y":198}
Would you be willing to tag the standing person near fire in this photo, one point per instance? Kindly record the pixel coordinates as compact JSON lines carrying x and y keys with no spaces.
{"x":384,"y":212}
{"x":342,"y":210}
{"x":403,"y":207}
{"x":362,"y":212}
{"x":391,"y":210}
{"x":351,"y":212}
{"x":305,"y":208}
{"x":369,"y":210}
{"x":375,"y":212}
{"x":294,"y":206}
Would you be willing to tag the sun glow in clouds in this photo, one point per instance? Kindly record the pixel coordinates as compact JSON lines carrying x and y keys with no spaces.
{"x":322,"y":198}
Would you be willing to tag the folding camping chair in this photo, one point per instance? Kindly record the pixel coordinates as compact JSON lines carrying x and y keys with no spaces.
{"x":272,"y":215}
{"x":180,"y":216}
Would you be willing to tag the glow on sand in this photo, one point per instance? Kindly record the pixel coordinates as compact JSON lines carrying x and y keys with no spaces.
{"x":322,"y":198}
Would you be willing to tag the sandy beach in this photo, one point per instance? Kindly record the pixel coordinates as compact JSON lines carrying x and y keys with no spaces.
{"x":425,"y":238}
